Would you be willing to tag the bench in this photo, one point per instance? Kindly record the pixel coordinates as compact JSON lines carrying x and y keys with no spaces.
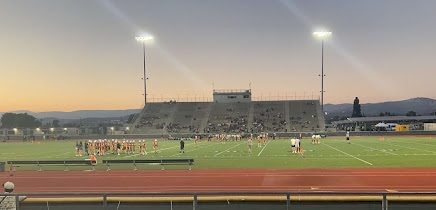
{"x":161,"y":162}
{"x":40,"y":163}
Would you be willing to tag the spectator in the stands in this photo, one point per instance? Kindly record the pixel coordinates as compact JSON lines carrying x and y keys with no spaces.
{"x":9,"y":202}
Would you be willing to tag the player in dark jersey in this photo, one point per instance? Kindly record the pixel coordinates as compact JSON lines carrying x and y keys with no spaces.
{"x":182,"y":146}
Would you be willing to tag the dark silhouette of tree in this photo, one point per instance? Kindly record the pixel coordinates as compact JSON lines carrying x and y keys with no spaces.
{"x":23,"y":120}
{"x":47,"y":125}
{"x":55,"y":124}
{"x":71,"y":125}
{"x":386,"y":114}
{"x":357,"y":112}
{"x":411,"y":113}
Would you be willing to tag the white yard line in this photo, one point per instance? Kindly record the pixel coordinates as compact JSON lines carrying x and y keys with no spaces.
{"x":151,"y":151}
{"x":227,"y":149}
{"x":348,"y":154}
{"x":199,"y":147}
{"x":354,"y":143}
{"x":168,"y":148}
{"x":174,"y":147}
{"x":342,"y":156}
{"x":418,"y":142}
{"x":407,"y":147}
{"x":263,"y":149}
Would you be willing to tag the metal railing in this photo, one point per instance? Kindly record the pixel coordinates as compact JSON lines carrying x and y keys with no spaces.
{"x":254,"y":97}
{"x":195,"y":195}
{"x":231,"y":91}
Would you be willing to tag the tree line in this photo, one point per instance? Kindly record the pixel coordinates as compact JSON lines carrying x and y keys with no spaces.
{"x":22,"y":120}
{"x":357,"y":112}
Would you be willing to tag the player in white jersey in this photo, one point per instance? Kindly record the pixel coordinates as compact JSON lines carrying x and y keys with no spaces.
{"x":293,"y":149}
{"x":250,"y":145}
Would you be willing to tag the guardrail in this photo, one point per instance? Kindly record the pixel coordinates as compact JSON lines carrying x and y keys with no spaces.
{"x":279,"y":134}
{"x":104,"y":196}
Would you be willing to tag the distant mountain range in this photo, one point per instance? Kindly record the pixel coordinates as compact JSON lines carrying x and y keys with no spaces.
{"x":80,"y":114}
{"x":422,"y":106}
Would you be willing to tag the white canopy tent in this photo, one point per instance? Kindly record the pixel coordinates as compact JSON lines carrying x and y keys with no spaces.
{"x":381,"y":125}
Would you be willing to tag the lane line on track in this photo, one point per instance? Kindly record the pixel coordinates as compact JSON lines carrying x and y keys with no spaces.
{"x":220,"y":172}
{"x":228,"y":149}
{"x":266,"y":190}
{"x":233,"y":187}
{"x":263,"y":149}
{"x":348,"y":154}
{"x":31,"y":174}
{"x":232,"y":175}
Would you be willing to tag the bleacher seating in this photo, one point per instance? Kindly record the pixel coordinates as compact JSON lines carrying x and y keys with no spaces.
{"x":269,"y":116}
{"x":228,"y":118}
{"x":154,"y":118}
{"x":212,"y":117}
{"x":187,"y":118}
{"x":303,"y":116}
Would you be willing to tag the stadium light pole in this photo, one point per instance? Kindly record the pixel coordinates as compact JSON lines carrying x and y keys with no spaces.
{"x":322,"y":35}
{"x":143,"y":40}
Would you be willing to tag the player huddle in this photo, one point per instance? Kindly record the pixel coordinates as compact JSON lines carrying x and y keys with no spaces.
{"x":262,"y":139}
{"x":102,"y":147}
{"x":316,"y":139}
{"x":225,"y":137}
{"x":296,"y":145}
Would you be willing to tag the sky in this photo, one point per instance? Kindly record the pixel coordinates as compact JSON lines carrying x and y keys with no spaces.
{"x":64,"y":55}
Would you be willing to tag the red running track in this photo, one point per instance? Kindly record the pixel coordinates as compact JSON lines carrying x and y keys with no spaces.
{"x":394,"y":179}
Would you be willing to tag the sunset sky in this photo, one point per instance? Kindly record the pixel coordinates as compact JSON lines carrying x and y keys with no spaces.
{"x":64,"y":55}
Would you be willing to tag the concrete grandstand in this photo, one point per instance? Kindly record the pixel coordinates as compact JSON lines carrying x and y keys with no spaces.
{"x":230,"y":117}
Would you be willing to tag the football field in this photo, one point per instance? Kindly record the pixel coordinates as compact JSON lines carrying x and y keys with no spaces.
{"x":333,"y":152}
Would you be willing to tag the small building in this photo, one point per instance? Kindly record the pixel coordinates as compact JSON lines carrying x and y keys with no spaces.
{"x":400,"y":128}
{"x":72,"y":131}
{"x":430,"y":126}
{"x":370,"y":123}
{"x":116,"y":130}
{"x":231,"y":96}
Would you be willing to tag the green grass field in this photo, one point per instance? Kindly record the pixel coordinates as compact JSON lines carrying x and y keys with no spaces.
{"x":333,"y":152}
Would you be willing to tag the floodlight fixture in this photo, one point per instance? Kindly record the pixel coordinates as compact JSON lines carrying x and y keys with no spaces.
{"x":322,"y":34}
{"x":144,"y":38}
